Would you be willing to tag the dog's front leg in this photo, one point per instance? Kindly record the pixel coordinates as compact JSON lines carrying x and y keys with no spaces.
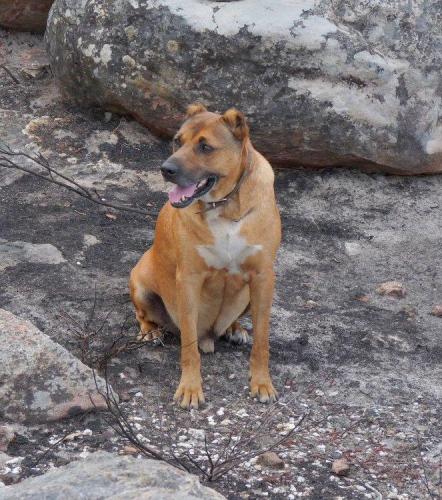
{"x":190,"y":391}
{"x":262,"y":284}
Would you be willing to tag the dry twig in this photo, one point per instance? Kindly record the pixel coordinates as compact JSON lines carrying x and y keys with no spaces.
{"x":57,"y":178}
{"x":10,"y":74}
{"x":431,"y":493}
{"x":229,"y":457}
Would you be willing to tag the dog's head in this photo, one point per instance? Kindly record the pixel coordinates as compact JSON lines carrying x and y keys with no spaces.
{"x":208,"y":155}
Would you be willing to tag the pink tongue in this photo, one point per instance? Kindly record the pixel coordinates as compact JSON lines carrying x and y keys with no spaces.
{"x":178,"y":192}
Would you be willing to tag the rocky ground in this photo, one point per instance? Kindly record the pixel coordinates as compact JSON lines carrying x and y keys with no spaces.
{"x":364,"y":369}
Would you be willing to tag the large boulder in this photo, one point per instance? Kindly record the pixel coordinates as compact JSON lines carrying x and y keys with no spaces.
{"x":103,"y":475}
{"x":323,"y":82}
{"x":40,"y":380}
{"x":25,"y":15}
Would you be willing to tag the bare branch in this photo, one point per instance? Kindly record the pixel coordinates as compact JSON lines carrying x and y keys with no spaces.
{"x":432,"y":494}
{"x":67,"y":183}
{"x":9,"y":72}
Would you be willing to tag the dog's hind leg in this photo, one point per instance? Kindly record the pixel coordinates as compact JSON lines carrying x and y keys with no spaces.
{"x":149,"y":308}
{"x":149,"y":329}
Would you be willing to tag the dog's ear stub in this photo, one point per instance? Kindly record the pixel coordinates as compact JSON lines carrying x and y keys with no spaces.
{"x":237,"y":123}
{"x":194,"y":109}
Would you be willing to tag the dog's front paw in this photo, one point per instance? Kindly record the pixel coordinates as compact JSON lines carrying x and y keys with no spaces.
{"x":189,"y":393}
{"x":261,"y":387}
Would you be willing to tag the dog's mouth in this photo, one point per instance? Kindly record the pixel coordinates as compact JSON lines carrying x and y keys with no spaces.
{"x":182,"y":196}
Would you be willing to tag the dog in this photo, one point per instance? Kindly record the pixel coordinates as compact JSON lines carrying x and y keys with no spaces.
{"x":214,"y":249}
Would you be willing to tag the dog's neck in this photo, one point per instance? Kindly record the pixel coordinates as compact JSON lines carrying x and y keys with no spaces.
{"x":229,"y":206}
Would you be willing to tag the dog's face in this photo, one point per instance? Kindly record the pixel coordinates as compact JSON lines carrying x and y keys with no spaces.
{"x":207,"y":158}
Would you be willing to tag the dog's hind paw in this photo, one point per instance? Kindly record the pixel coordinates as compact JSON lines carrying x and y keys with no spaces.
{"x":237,"y":335}
{"x":155,"y":335}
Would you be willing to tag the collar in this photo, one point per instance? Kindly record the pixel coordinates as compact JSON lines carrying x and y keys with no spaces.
{"x":211,"y":205}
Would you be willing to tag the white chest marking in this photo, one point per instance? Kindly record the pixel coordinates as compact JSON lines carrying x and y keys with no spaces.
{"x":230,"y":249}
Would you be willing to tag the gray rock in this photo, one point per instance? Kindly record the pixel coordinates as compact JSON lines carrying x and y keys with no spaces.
{"x":103,"y":475}
{"x":24,"y":15}
{"x":16,"y":252}
{"x":40,"y":380}
{"x":323,"y":83}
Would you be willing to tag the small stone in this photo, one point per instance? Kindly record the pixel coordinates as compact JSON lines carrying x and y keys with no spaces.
{"x":271,"y":459}
{"x":437,"y":311}
{"x":129,"y":61}
{"x":362,"y":298}
{"x":352,"y":248}
{"x":392,"y":289}
{"x":340,"y":467}
{"x":310,"y":304}
{"x":129,"y":450}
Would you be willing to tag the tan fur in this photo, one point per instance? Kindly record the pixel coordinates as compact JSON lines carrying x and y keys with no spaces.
{"x":183,"y":264}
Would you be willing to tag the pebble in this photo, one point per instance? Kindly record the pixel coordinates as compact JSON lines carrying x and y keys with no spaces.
{"x":129,"y":450}
{"x":437,"y":311}
{"x":310,"y":304}
{"x":392,"y":289}
{"x":340,"y":467}
{"x":271,"y":459}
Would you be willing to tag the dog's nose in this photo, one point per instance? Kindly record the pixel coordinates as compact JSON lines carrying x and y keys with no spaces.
{"x":169,"y":169}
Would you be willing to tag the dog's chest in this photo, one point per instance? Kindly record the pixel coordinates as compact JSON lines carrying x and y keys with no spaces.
{"x":230,"y":249}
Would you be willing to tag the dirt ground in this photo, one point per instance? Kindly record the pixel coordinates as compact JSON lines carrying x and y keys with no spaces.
{"x":363,"y":368}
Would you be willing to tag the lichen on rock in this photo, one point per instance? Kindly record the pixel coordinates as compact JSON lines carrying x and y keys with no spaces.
{"x":322,"y":83}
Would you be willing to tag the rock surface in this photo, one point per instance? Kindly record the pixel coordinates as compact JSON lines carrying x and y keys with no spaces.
{"x":41,"y":381}
{"x":15,"y":252}
{"x":25,"y":15}
{"x":366,"y":370}
{"x":103,"y":475}
{"x":323,"y":83}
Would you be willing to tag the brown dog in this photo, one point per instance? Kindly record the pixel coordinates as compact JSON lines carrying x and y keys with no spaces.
{"x":214,"y":249}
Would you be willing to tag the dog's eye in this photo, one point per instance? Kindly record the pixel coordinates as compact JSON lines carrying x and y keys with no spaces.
{"x":176,"y":143}
{"x":205,"y":148}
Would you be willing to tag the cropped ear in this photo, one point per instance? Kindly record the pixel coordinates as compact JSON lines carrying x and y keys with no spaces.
{"x":237,"y":123}
{"x":194,"y":109}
